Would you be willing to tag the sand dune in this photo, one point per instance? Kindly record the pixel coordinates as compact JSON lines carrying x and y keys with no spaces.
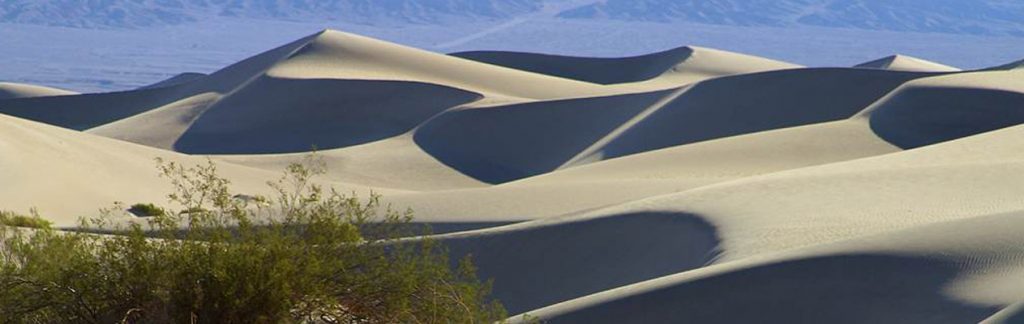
{"x":67,"y":174}
{"x":505,"y":142}
{"x":956,"y":272}
{"x":906,"y":63}
{"x":676,"y":66}
{"x":932,"y":110}
{"x":692,"y":185}
{"x":177,"y":79}
{"x":10,"y":90}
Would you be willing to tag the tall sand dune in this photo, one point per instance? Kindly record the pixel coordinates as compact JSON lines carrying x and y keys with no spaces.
{"x":384,"y":89}
{"x":498,"y":144}
{"x":321,"y":113}
{"x":91,"y":110}
{"x":676,"y":66}
{"x":957,"y":272}
{"x":906,"y":63}
{"x":177,"y":79}
{"x":10,"y":90}
{"x":748,"y":103}
{"x":692,"y":185}
{"x":569,"y":257}
{"x":67,"y":174}
{"x":937,"y":109}
{"x":502,"y":143}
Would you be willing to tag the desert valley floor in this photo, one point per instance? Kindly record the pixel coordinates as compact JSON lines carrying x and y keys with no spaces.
{"x":692,"y":185}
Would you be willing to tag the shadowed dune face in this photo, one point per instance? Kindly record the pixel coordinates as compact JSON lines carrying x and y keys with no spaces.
{"x":589,"y":69}
{"x":749,"y":103}
{"x":535,"y":266}
{"x":19,"y":90}
{"x":81,"y":112}
{"x":906,"y":63}
{"x":865,"y":288}
{"x":178,"y":79}
{"x":920,"y":116}
{"x":505,"y":143}
{"x":499,"y":144}
{"x":713,"y":193}
{"x":960,"y":271}
{"x":674,"y":67}
{"x":325,"y":114}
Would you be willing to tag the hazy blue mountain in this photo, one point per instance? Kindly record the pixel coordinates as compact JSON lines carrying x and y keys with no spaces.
{"x":141,"y":13}
{"x":983,"y":17}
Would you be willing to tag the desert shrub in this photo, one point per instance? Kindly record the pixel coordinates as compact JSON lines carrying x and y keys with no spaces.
{"x":9,"y":218}
{"x":146,"y":210}
{"x":301,"y":257}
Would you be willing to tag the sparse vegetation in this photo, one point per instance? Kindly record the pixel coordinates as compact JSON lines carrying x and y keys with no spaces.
{"x":9,"y":218}
{"x":303,"y":257}
{"x":146,"y":210}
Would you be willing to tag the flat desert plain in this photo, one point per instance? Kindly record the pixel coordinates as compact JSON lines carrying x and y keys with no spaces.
{"x":692,"y":185}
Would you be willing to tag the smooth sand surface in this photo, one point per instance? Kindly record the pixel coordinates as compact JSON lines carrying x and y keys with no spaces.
{"x":67,"y":174}
{"x":180,"y":78}
{"x":10,"y":90}
{"x":692,"y":185}
{"x":906,"y":63}
{"x":676,"y":66}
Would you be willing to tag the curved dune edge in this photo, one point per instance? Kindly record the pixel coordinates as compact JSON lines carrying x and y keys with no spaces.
{"x":503,"y":143}
{"x":10,"y":90}
{"x":177,"y":79}
{"x":962,"y":271}
{"x":675,"y":66}
{"x":67,"y":174}
{"x":538,"y":263}
{"x":907,"y":63}
{"x":707,"y":192}
{"x":937,"y":109}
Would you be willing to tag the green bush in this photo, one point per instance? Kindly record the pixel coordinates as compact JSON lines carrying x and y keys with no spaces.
{"x":8,"y":218}
{"x":303,"y":257}
{"x":146,"y":210}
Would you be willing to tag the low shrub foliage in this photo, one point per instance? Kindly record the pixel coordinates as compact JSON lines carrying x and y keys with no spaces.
{"x":304,"y":255}
{"x":9,"y":218}
{"x":146,"y":210}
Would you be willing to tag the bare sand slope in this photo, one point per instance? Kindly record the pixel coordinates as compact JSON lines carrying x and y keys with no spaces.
{"x":343,"y":90}
{"x":768,"y":100}
{"x":758,"y":217}
{"x":733,"y":157}
{"x":396,"y":162}
{"x":316,"y":113}
{"x":937,"y":109}
{"x":906,"y":63}
{"x":503,"y":143}
{"x":87,"y":111}
{"x":677,"y":66}
{"x":680,"y":168}
{"x":764,"y":215}
{"x":539,"y":263}
{"x":10,"y":90}
{"x":177,"y":79}
{"x":647,"y":174}
{"x":68,"y":174}
{"x":956,"y":272}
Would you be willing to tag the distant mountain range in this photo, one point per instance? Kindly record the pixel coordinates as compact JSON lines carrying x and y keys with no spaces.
{"x":982,"y":17}
{"x":143,"y":13}
{"x":977,"y":17}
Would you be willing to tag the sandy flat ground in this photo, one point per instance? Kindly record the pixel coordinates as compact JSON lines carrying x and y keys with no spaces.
{"x":690,"y":185}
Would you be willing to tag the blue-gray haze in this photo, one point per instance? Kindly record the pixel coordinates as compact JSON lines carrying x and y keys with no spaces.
{"x":977,"y":17}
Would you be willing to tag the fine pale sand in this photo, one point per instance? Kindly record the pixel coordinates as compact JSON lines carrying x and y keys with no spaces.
{"x":691,"y":185}
{"x":9,"y":90}
{"x":907,"y":63}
